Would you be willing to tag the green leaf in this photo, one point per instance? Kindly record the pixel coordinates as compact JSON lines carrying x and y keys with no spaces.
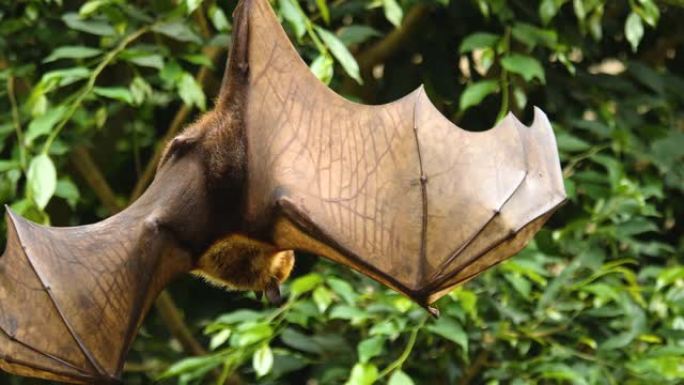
{"x":341,"y":53}
{"x":148,"y":60}
{"x":648,"y":11}
{"x":239,"y":316}
{"x":548,"y":9}
{"x":305,"y":284}
{"x":93,"y":26}
{"x":250,"y":333}
{"x":526,"y":66}
{"x":41,"y":180}
{"x":634,"y":30}
{"x":400,"y":378}
{"x":64,"y":77}
{"x":67,"y":190}
{"x":43,"y":124}
{"x":478,"y":40}
{"x":570,"y":143}
{"x":140,"y":90}
{"x":178,"y":30}
{"x":476,"y":92}
{"x":191,"y":92}
{"x":532,"y":35}
{"x":363,"y":374}
{"x":191,"y":5}
{"x":193,"y":364}
{"x":322,"y":67}
{"x":322,"y":297}
{"x":343,"y":289}
{"x":450,"y":329}
{"x":72,"y":52}
{"x":199,"y":59}
{"x":370,"y":348}
{"x":91,"y":6}
{"x":262,"y":361}
{"x":393,"y":12}
{"x":294,"y":16}
{"x":219,"y":338}
{"x":350,"y":313}
{"x":325,"y":12}
{"x":357,"y":34}
{"x":117,"y":93}
{"x":218,"y":18}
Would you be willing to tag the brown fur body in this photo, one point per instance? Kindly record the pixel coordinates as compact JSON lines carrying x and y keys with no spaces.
{"x":240,"y":263}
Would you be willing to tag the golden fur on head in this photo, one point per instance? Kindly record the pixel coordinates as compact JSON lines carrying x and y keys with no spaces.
{"x":240,"y":263}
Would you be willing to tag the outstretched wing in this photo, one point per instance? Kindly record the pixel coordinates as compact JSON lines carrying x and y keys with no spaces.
{"x":71,"y":299}
{"x":396,"y":191}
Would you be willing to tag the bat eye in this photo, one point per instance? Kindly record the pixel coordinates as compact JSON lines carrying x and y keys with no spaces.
{"x":178,"y":147}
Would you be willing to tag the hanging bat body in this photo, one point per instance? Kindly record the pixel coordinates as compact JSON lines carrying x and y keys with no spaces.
{"x":395,"y":192}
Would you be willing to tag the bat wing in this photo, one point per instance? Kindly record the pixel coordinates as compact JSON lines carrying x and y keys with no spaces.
{"x":72,"y":298}
{"x":395,"y":191}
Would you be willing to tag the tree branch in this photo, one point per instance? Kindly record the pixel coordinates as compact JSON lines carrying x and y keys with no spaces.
{"x":85,"y":165}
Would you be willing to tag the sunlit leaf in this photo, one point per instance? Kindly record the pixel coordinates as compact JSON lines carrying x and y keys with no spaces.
{"x":363,"y":374}
{"x":370,"y":348}
{"x":72,"y":52}
{"x":191,"y":92}
{"x":526,"y":66}
{"x":398,"y":377}
{"x":178,"y":30}
{"x":41,"y":180}
{"x":262,"y":361}
{"x":393,"y":12}
{"x":634,"y":30}
{"x":476,"y":92}
{"x":478,"y":40}
{"x":291,"y":13}
{"x":341,"y":53}
{"x":93,"y":26}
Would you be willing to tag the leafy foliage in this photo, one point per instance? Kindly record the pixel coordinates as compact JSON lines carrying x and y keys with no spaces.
{"x":598,"y":298}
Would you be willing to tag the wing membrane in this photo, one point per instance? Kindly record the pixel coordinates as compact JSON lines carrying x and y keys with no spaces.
{"x":394,"y":191}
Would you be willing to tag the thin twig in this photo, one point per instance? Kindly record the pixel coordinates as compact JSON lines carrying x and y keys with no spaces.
{"x":16,"y":121}
{"x":399,"y":362}
{"x":575,"y":161}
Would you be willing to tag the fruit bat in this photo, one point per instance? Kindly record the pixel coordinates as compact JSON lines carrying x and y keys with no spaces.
{"x":282,"y":163}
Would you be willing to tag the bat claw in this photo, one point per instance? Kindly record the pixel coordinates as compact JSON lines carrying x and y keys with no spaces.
{"x":434,"y":312}
{"x":272,"y":292}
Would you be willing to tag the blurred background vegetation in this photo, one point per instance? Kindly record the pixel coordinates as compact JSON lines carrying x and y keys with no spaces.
{"x":90,"y":91}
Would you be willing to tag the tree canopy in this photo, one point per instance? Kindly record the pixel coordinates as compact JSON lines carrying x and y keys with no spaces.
{"x":91,"y":91}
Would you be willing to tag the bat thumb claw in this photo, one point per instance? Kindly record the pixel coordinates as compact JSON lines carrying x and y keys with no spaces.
{"x":434,"y":312}
{"x":272,"y":292}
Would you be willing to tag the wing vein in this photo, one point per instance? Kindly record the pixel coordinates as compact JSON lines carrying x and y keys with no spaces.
{"x":68,"y":325}
{"x":59,"y":360}
{"x":424,"y":196}
{"x":438,"y":275}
